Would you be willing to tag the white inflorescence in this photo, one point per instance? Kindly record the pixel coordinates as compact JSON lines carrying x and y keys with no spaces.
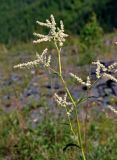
{"x":87,"y":83}
{"x":98,"y":70}
{"x":112,"y":109}
{"x":28,"y":64}
{"x":44,"y":59}
{"x":109,"y":77}
{"x":99,"y":67}
{"x":106,"y":70}
{"x":113,"y":67}
{"x":57,"y":34}
{"x":63,"y":102}
{"x":41,"y":59}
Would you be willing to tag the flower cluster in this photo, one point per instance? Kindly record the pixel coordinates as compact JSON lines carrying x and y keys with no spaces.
{"x":56,"y":34}
{"x":103,"y":71}
{"x":99,"y":67}
{"x":87,"y":83}
{"x":109,"y":76}
{"x":41,"y":59}
{"x":63,"y":102}
{"x":44,"y":59}
{"x":112,"y":109}
{"x":113,"y":67}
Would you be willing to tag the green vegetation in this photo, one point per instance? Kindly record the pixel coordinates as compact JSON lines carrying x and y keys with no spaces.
{"x":90,"y":41}
{"x":79,"y":127}
{"x":38,"y":130}
{"x":17,"y":18}
{"x":45,"y":141}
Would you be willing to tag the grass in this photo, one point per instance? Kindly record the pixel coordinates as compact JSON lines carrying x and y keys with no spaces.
{"x":45,"y":141}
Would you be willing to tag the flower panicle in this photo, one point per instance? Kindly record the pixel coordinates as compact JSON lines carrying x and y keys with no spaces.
{"x":62,"y":25}
{"x":106,"y":70}
{"x":56,"y":34}
{"x":98,"y":71}
{"x":29,"y":64}
{"x":42,"y":39}
{"x":70,"y":110}
{"x":112,"y":109}
{"x":99,"y":67}
{"x":87,"y":83}
{"x":41,"y":59}
{"x":62,"y":101}
{"x":43,"y":54}
{"x":109,"y":76}
{"x":113,"y":66}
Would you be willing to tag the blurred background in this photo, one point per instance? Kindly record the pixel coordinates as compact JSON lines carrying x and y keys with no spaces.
{"x":28,"y":112}
{"x":17,"y":18}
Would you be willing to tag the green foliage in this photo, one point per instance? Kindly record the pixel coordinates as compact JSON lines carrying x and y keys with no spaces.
{"x":102,"y":132}
{"x":106,"y":13}
{"x":20,"y":141}
{"x":90,"y":40}
{"x":91,"y":34}
{"x":47,"y":140}
{"x":17,"y":18}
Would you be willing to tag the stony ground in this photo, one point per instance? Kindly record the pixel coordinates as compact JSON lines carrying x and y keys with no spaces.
{"x":35,"y":88}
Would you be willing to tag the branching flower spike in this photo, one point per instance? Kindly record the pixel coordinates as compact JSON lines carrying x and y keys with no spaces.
{"x":112,"y":109}
{"x":87,"y":83}
{"x":103,"y":71}
{"x":63,"y":102}
{"x":41,"y":59}
{"x":56,"y":34}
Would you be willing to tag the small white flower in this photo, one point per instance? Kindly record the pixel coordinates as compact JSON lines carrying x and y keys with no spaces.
{"x":70,"y":111}
{"x":35,"y":120}
{"x":56,"y":34}
{"x":112,"y":109}
{"x":98,"y":71}
{"x":99,"y":67}
{"x":63,"y":102}
{"x":113,"y":67}
{"x":44,"y":59}
{"x":110,"y":77}
{"x":41,"y":59}
{"x":28,"y":64}
{"x":106,"y":70}
{"x":87,"y":83}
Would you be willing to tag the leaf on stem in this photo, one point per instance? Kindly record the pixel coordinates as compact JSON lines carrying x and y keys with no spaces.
{"x":70,"y":145}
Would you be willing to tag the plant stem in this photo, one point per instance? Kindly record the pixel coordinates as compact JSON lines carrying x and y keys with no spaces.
{"x":72,"y":100}
{"x":71,"y":127}
{"x":59,"y":59}
{"x":78,"y":122}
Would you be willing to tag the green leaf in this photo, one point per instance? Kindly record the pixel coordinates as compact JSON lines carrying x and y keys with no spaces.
{"x":70,"y":145}
{"x":83,"y":99}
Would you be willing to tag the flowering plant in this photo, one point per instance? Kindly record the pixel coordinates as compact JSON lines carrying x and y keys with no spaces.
{"x":57,"y":36}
